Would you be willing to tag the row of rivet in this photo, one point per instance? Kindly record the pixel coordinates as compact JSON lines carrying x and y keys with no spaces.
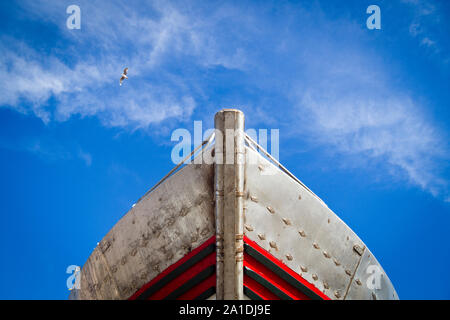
{"x":302,"y":233}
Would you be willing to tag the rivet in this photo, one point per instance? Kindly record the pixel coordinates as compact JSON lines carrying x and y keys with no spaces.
{"x":144,"y":243}
{"x":325,"y":285}
{"x":302,"y":233}
{"x":249,"y":228}
{"x":348,"y":272}
{"x":358,"y":249}
{"x":260,"y":167}
{"x":270,"y":209}
{"x":337,"y":294}
{"x":326,"y":254}
{"x":104,"y":246}
{"x":254,"y":199}
{"x":328,"y":220}
{"x":184,"y":211}
{"x":315,"y":245}
{"x":304,"y":269}
{"x":289,"y":257}
{"x":358,"y":282}
{"x":299,"y":197}
{"x":315,"y":277}
{"x":273,"y":245}
{"x":287,"y":221}
{"x":261,"y":236}
{"x":170,"y":221}
{"x":336,"y":262}
{"x":155,"y":267}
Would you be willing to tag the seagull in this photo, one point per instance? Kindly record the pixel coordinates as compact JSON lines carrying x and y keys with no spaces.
{"x":124,"y":75}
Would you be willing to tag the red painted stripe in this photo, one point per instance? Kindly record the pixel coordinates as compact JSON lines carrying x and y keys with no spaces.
{"x":259,"y":289}
{"x":274,"y":279}
{"x":199,"y":289}
{"x":173,"y":267}
{"x":186,"y":276}
{"x":285,"y":268}
{"x":248,"y":282}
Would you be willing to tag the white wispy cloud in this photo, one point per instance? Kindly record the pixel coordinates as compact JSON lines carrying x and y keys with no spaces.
{"x":336,"y":86}
{"x":118,"y":36}
{"x":352,"y":104}
{"x":389,"y":129}
{"x":31,"y":79}
{"x":427,"y":19}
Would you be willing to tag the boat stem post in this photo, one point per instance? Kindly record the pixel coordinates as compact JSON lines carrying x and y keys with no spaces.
{"x":229,"y":212}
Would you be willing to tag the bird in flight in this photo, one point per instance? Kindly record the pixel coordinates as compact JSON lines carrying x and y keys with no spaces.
{"x":124,"y":75}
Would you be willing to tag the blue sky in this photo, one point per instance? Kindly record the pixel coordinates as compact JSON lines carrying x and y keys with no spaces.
{"x":363,"y":118}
